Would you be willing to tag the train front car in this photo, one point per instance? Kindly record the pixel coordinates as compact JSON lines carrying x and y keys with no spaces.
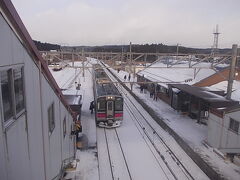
{"x":108,"y":100}
{"x":109,"y":111}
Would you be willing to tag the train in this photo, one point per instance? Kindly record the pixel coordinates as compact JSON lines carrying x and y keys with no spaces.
{"x":108,"y":100}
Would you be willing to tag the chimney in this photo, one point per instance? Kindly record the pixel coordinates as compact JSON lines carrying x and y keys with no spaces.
{"x":232,"y":71}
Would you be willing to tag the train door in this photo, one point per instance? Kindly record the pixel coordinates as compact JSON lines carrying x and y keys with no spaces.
{"x":110,"y":109}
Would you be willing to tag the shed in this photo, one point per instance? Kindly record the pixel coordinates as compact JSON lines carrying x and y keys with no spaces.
{"x":75,"y":102}
{"x":224,"y":129}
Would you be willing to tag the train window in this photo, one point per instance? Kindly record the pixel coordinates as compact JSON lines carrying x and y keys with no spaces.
{"x":18,"y":89}
{"x":119,"y":104}
{"x":101,"y":104}
{"x":7,"y":96}
{"x":51,"y":118}
{"x":110,"y":105}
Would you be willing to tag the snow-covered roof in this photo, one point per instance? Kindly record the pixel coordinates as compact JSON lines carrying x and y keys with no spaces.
{"x":178,"y":72}
{"x":223,"y":86}
{"x":73,"y":99}
{"x":72,"y":92}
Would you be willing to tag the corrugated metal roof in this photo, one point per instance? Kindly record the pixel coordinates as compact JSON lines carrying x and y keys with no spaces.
{"x":178,"y":73}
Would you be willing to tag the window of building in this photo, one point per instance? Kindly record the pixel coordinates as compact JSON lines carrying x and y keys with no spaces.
{"x":51,"y":118}
{"x":64,"y":127}
{"x":7,"y":96}
{"x":18,"y":89}
{"x":234,"y":125}
{"x":12,"y":92}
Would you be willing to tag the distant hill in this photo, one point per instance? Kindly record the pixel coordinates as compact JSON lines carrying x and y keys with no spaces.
{"x":144,"y":48}
{"x":46,"y":46}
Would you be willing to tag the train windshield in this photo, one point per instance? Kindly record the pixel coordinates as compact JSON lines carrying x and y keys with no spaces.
{"x":101,"y":104}
{"x":119,"y":104}
{"x":110,"y":105}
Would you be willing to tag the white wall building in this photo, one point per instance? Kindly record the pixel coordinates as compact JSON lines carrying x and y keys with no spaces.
{"x":224,"y":124}
{"x":224,"y":130}
{"x":35,"y":123}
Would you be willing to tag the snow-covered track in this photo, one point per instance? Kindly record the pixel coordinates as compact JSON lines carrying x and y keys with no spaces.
{"x":165,"y":155}
{"x":174,"y":156}
{"x":115,"y":165}
{"x":171,"y":161}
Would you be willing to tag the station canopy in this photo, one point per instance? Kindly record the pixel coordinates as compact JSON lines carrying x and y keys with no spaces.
{"x":215,"y":100}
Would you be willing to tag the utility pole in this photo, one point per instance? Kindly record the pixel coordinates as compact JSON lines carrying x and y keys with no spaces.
{"x":130,"y":54}
{"x":122,"y":55}
{"x":83,"y":58}
{"x":61,"y":54}
{"x":177,"y":50}
{"x":145,"y":60}
{"x":232,"y":71}
{"x":122,"y":59}
{"x":72,"y":59}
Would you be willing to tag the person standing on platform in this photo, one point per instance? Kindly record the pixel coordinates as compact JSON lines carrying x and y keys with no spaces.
{"x":91,"y":106}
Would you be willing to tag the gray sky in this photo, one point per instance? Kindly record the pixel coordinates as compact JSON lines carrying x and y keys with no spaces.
{"x":103,"y":22}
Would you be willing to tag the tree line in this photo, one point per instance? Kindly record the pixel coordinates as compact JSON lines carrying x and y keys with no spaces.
{"x":143,"y":48}
{"x":46,"y":46}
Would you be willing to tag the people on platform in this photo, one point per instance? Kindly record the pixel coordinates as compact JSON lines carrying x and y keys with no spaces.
{"x":125,"y":77}
{"x":92,"y":106}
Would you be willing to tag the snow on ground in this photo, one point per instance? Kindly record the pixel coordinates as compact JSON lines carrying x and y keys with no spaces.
{"x":64,"y":77}
{"x":187,"y":128}
{"x":88,"y":165}
{"x":193,"y":133}
{"x":138,"y":155}
{"x":87,"y":168}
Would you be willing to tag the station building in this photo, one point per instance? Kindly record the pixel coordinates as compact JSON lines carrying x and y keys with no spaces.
{"x":35,"y":120}
{"x":199,"y":92}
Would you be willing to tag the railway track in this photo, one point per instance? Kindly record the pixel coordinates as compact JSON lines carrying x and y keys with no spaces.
{"x":173,"y":167}
{"x":162,"y":150}
{"x":115,"y":164}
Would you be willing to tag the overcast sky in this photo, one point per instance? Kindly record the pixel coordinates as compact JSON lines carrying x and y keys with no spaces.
{"x":104,"y":22}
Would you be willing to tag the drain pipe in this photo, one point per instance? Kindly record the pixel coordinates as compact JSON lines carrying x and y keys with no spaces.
{"x":232,"y":71}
